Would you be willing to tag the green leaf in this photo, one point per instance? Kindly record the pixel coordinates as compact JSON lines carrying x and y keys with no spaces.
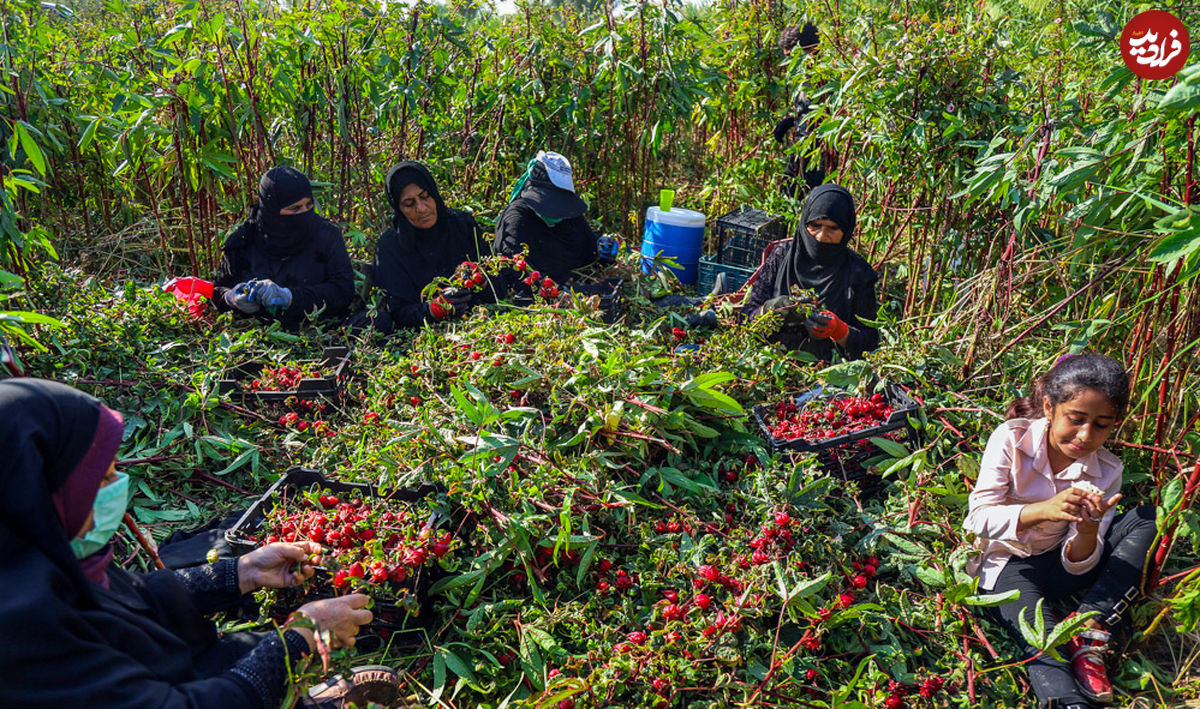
{"x":984,"y":600}
{"x":892,"y":448}
{"x":21,"y":130}
{"x":457,"y":665}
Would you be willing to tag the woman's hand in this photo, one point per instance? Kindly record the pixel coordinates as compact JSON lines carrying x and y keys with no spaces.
{"x":277,"y":565}
{"x":342,"y":616}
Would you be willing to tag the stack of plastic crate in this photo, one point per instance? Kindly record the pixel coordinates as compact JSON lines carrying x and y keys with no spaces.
{"x":741,"y":237}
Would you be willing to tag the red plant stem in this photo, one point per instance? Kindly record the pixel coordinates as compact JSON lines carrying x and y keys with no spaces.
{"x":146,"y":544}
{"x":1060,"y":305}
{"x":1168,"y":537}
{"x":1173,"y":577}
{"x":213,"y":479}
{"x":1155,"y":449}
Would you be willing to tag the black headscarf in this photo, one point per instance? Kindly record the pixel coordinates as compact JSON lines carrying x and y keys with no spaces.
{"x":59,"y":442}
{"x":809,"y":263}
{"x":284,"y":234}
{"x":407,"y":258}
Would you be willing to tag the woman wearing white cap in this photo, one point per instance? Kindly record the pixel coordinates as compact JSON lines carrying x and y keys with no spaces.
{"x":545,"y":214}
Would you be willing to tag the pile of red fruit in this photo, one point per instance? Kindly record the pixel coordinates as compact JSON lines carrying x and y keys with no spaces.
{"x":546,"y":286}
{"x":469,"y":275}
{"x":829,"y":418}
{"x":282,"y":378}
{"x":367,"y":541}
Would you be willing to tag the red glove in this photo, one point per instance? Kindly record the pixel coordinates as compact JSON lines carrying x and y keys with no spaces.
{"x":827,"y":325}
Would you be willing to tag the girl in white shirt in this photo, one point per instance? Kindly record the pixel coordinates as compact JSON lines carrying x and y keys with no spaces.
{"x":1043,"y":520}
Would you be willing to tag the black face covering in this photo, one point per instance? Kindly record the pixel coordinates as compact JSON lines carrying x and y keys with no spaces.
{"x":285,"y":234}
{"x":809,"y":263}
{"x":408,"y":258}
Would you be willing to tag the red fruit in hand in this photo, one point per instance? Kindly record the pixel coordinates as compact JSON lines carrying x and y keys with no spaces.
{"x":340,"y":579}
{"x":356,"y":570}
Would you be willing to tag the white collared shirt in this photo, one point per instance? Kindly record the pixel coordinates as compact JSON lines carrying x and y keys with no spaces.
{"x":1015,"y":471}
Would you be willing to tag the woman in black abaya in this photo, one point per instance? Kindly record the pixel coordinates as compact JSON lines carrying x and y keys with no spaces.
{"x":80,"y":632}
{"x":427,"y":240}
{"x":819,"y":259}
{"x":285,"y":260}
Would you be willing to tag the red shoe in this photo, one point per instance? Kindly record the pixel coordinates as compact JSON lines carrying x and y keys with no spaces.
{"x":1087,"y":652}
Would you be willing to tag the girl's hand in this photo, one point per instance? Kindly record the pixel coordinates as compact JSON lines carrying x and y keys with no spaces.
{"x":277,"y":565}
{"x":1066,"y":506}
{"x":1093,"y":511}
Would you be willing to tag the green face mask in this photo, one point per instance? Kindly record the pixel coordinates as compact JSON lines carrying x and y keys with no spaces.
{"x":109,"y":510}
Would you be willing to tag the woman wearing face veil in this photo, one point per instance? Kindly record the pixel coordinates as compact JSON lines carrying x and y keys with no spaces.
{"x":285,"y":260}
{"x":819,"y":259}
{"x":80,"y":632}
{"x":427,"y":240}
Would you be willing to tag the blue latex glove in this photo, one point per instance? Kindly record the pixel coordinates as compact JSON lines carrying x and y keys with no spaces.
{"x":607,"y":248}
{"x":273,"y":296}
{"x":241,"y":297}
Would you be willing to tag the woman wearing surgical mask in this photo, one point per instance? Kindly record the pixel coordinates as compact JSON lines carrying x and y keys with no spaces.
{"x":285,"y":261}
{"x":80,"y":632}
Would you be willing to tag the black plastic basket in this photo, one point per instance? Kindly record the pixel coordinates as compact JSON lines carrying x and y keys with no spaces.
{"x":334,"y":362}
{"x":735,"y":276}
{"x":902,"y":405}
{"x":612,"y":299}
{"x":744,"y":233}
{"x":393,"y":622}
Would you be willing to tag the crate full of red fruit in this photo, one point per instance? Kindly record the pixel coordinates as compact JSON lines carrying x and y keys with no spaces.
{"x":819,"y":419}
{"x":276,"y":383}
{"x":388,"y":545}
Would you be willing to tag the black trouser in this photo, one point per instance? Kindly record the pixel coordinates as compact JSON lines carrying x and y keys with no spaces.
{"x":1108,"y":588}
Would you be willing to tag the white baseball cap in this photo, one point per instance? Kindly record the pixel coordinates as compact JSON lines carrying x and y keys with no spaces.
{"x":558,"y":168}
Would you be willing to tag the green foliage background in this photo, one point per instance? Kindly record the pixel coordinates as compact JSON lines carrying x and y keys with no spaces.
{"x":1021,"y":192}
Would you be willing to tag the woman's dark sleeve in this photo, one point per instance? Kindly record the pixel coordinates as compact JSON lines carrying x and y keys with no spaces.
{"x":212,"y":587}
{"x":507,"y":241}
{"x":863,"y":338}
{"x":408,"y":313}
{"x":764,"y":287}
{"x":70,"y":664}
{"x":336,"y":291}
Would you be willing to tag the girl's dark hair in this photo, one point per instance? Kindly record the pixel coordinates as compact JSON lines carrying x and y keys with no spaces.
{"x":1070,"y":376}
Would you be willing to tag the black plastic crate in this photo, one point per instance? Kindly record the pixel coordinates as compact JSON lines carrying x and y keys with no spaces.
{"x":334,"y":365}
{"x":612,"y":298}
{"x":902,"y":405}
{"x":395,"y":622}
{"x":744,"y":233}
{"x":735,"y":276}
